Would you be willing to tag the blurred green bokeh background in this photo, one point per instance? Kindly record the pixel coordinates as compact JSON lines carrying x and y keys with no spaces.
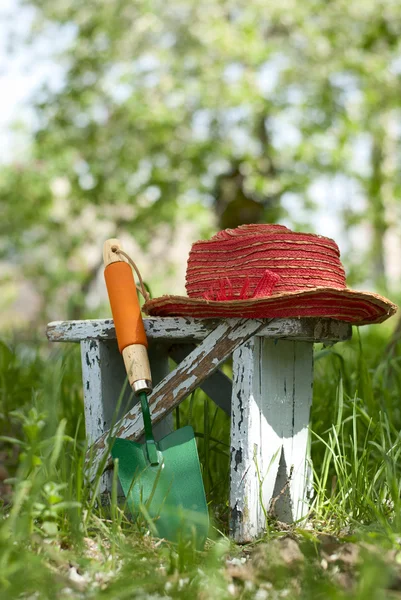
{"x":161,"y":122}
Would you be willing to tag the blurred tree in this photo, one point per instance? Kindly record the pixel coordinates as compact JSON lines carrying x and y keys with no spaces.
{"x":168,"y":108}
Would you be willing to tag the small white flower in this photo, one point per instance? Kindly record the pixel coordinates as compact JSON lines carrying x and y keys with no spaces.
{"x":236,"y":562}
{"x":75,"y":576}
{"x":80,"y":581}
{"x":182,"y":582}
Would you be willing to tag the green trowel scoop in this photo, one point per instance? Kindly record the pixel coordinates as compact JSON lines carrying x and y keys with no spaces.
{"x":161,"y":480}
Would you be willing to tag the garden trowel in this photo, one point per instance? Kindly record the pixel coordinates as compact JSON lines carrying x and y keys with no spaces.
{"x":161,"y":480}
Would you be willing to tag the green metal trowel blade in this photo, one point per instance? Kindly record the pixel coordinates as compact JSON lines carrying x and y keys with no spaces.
{"x":172,"y":492}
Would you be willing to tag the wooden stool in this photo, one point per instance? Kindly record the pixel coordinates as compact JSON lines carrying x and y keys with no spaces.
{"x":269,"y":399}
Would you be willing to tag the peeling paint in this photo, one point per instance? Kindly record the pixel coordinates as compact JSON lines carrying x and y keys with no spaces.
{"x":272,"y":393}
{"x":236,"y":518}
{"x":180,"y":328}
{"x":237,"y":458}
{"x":184,"y":385}
{"x":240,"y":408}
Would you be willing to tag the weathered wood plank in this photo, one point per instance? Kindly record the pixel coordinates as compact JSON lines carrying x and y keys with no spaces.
{"x":287,"y":386}
{"x":94,"y":410}
{"x":92,"y":386}
{"x":247,"y":518}
{"x":181,"y":382}
{"x":218,"y":386}
{"x":166,"y":328}
{"x":103,"y":378}
{"x":272,"y":395}
{"x":194,"y":330}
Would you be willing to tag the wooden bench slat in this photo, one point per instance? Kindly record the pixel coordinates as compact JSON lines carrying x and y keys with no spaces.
{"x":180,"y":329}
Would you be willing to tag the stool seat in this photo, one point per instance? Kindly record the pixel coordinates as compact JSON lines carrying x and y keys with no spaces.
{"x":268,"y":399}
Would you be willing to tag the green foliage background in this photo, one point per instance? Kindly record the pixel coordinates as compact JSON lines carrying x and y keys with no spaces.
{"x":169,"y":111}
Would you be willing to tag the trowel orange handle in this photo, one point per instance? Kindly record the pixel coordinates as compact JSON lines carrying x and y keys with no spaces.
{"x":130,"y":331}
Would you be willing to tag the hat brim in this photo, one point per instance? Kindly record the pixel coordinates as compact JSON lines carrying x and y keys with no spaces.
{"x":358,"y":308}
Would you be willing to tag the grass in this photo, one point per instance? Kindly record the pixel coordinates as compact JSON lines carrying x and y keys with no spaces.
{"x":57,"y":541}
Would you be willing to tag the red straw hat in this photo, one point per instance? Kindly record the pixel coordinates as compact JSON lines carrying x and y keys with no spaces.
{"x":264,"y":271}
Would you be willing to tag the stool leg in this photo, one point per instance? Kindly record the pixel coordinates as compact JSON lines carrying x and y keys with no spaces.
{"x":272,"y":395}
{"x":104,"y":377}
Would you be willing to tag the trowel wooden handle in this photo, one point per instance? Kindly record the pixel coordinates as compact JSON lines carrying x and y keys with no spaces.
{"x":130,"y":331}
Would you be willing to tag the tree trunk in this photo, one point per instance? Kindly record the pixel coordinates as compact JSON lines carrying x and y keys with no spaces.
{"x":377,"y":213}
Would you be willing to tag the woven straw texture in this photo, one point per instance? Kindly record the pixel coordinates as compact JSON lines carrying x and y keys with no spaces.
{"x":265,"y":271}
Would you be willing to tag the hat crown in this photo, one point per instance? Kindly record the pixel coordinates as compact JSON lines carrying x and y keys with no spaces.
{"x":254,"y":261}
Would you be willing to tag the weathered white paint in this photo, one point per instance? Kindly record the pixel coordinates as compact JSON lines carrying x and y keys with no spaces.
{"x":104,"y":379}
{"x":185,"y":329}
{"x":246,"y":517}
{"x":272,"y":395}
{"x":103,"y":382}
{"x":166,"y":328}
